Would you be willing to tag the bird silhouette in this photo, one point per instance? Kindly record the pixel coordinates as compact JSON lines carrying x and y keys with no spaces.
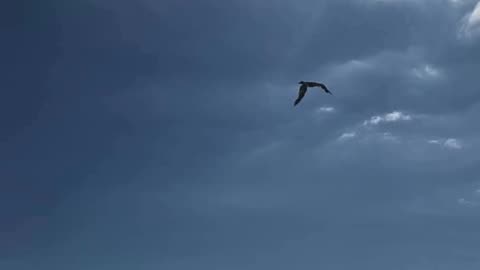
{"x":303,"y":90}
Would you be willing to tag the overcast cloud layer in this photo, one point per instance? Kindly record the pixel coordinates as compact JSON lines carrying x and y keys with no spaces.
{"x":162,"y":135}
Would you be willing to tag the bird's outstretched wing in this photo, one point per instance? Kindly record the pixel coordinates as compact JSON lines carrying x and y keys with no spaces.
{"x":321,"y":85}
{"x":301,"y":93}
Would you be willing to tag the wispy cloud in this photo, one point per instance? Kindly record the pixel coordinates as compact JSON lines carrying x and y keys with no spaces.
{"x":394,"y":116}
{"x":472,"y":200}
{"x":452,"y":143}
{"x":325,"y":109}
{"x":465,"y":202}
{"x":449,"y":143}
{"x":426,"y":71}
{"x":347,"y":136}
{"x":390,"y":137}
{"x":471,"y":23}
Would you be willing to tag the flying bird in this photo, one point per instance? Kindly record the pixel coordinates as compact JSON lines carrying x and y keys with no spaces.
{"x":303,"y":89}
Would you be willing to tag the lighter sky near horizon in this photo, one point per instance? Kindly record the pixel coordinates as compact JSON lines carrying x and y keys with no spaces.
{"x":162,"y":135}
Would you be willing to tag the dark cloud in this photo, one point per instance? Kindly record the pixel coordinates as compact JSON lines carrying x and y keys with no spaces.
{"x":163,"y":134}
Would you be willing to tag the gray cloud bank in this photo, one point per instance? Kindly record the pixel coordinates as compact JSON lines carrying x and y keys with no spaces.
{"x":168,"y":138}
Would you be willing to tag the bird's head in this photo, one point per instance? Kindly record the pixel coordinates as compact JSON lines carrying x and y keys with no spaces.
{"x":301,"y":82}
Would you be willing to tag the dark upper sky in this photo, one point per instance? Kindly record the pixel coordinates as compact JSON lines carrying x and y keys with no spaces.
{"x":162,"y":135}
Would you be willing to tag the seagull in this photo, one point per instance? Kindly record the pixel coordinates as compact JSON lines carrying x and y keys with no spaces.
{"x":303,"y":89}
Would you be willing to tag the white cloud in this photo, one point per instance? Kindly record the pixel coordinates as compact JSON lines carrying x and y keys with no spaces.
{"x":327,"y":109}
{"x":473,"y":201}
{"x":471,"y":23}
{"x":426,"y":71}
{"x":347,"y":136}
{"x":390,"y":137}
{"x":389,"y":117}
{"x":366,"y":135}
{"x":452,"y":143}
{"x":465,"y":202}
{"x":353,"y":65}
{"x":474,"y":18}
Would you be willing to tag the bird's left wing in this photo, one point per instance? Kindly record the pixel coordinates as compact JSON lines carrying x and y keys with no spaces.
{"x":323,"y":86}
{"x":314,"y":84}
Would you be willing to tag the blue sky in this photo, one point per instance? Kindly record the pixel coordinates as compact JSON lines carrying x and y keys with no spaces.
{"x":162,"y":135}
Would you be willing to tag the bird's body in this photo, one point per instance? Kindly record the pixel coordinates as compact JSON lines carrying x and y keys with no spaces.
{"x":303,"y":90}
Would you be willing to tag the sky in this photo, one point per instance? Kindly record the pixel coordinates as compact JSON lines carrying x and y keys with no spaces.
{"x":162,"y":135}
